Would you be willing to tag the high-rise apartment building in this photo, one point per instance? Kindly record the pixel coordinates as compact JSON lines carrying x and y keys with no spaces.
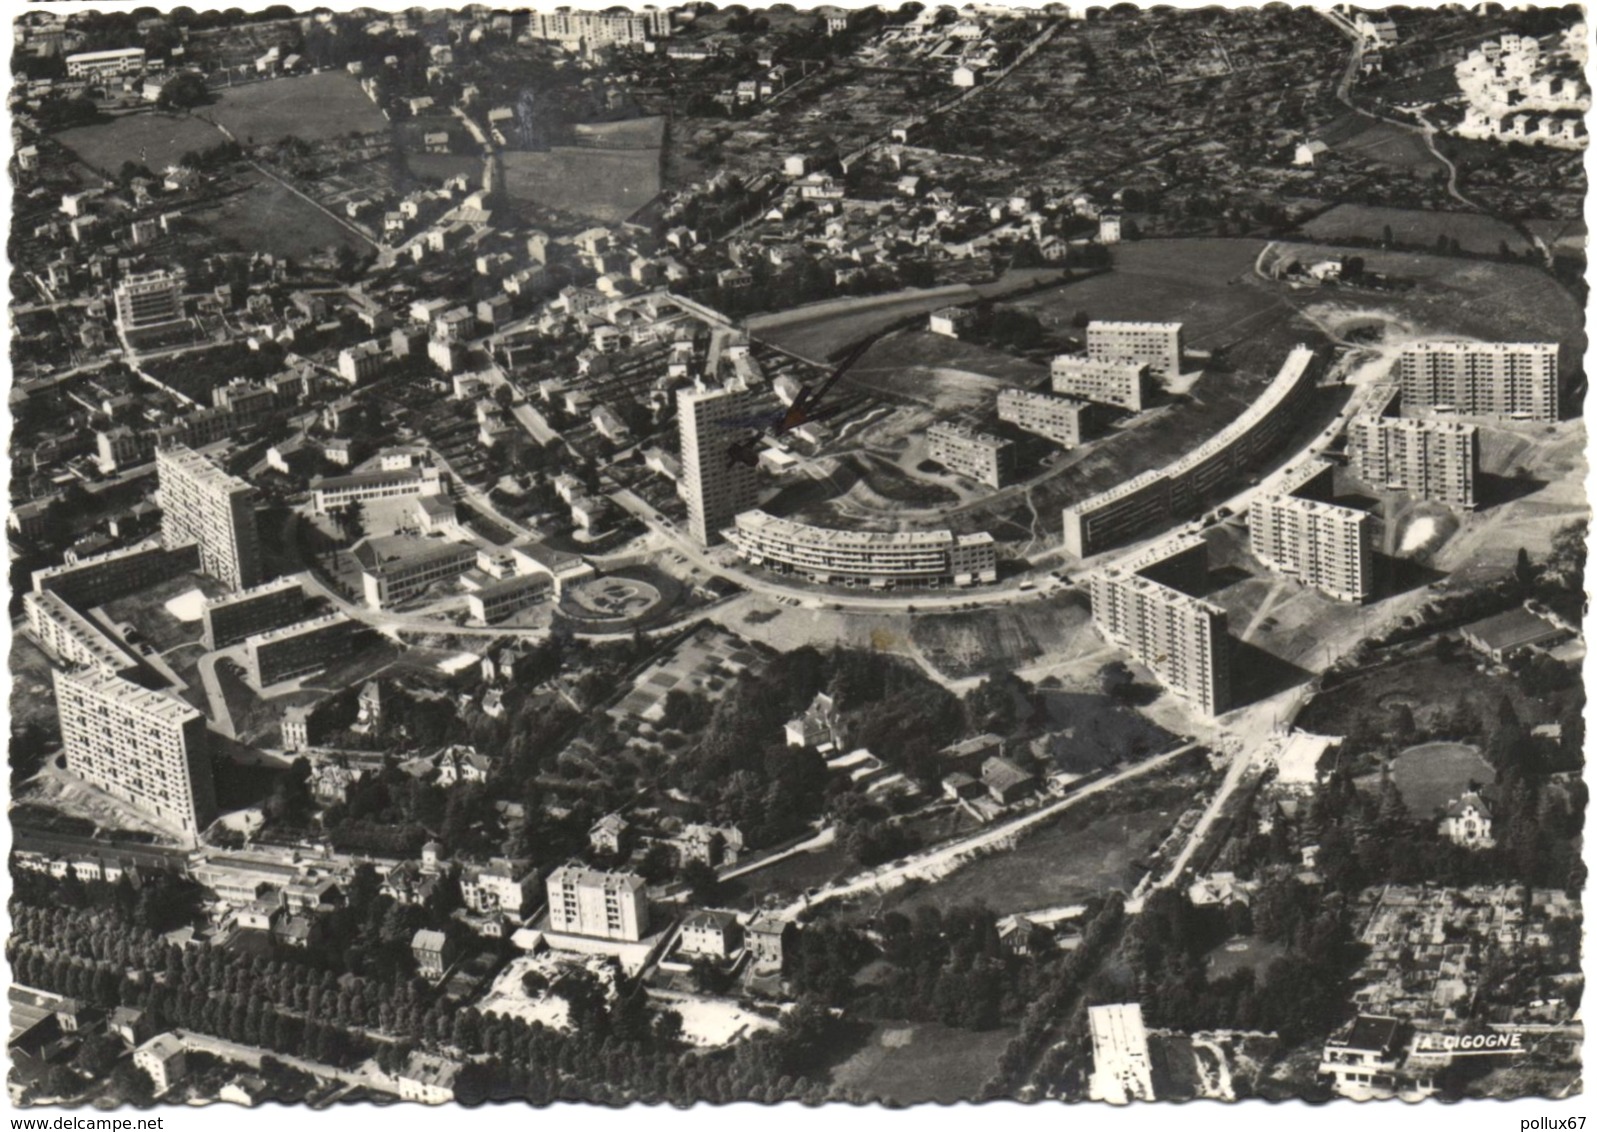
{"x":609,"y":905}
{"x":146,"y":748}
{"x":717,"y":485}
{"x":1121,"y":382}
{"x":150,"y":299}
{"x":1156,"y":344}
{"x":976,"y":455}
{"x":1181,"y":638}
{"x":202,"y":504}
{"x":1063,"y":420}
{"x":1517,"y":380}
{"x":1299,"y":532}
{"x":1433,"y":459}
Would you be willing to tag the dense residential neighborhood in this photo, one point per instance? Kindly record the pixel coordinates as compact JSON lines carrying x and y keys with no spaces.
{"x":905,"y":554}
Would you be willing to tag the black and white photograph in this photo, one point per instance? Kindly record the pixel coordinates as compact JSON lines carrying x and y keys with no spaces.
{"x":860,"y":556}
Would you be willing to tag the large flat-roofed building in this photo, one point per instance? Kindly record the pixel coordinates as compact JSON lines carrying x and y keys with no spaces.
{"x":202,"y":504}
{"x":232,"y":617}
{"x":1142,"y":504}
{"x":600,"y":29}
{"x":498,"y":600}
{"x":296,"y":650}
{"x":715,"y":484}
{"x":975,"y":455}
{"x":1155,"y":344}
{"x":100,"y":578}
{"x":72,"y":637}
{"x":1182,"y":639}
{"x":1063,"y":420}
{"x":395,"y":568}
{"x":146,"y":748}
{"x":98,"y":64}
{"x":1433,"y":459}
{"x":1514,"y":380}
{"x":882,"y":559}
{"x":1122,"y":1070}
{"x":418,"y":481}
{"x":607,"y":905}
{"x":1299,"y":532}
{"x":150,"y":299}
{"x":1121,"y":382}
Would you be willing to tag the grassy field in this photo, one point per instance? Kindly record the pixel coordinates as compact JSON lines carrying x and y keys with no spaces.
{"x":156,"y":140}
{"x":1094,"y":846}
{"x":607,"y":185}
{"x":1354,"y":136}
{"x":634,"y":133}
{"x":436,"y":168}
{"x":1241,"y":954}
{"x":312,"y":108}
{"x":269,"y":217}
{"x":914,"y":1062}
{"x":1433,"y":774}
{"x":1474,"y":232}
{"x":821,"y":330}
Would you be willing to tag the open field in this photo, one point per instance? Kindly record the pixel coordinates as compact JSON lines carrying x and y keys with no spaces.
{"x":921,"y":366}
{"x":970,"y":644}
{"x":436,"y":168}
{"x":1353,"y":135}
{"x":312,"y":108}
{"x":820,"y":330}
{"x":605,"y":184}
{"x":1433,"y":774}
{"x":1096,"y":845}
{"x":911,"y":1062}
{"x":1241,"y":954}
{"x":1415,"y":227}
{"x":155,"y":140}
{"x":269,"y":217}
{"x":634,"y":133}
{"x":146,"y":610}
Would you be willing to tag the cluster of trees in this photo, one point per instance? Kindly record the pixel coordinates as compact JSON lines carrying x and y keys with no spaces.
{"x":1370,"y":837}
{"x":885,"y":704}
{"x":1298,"y":995}
{"x":948,"y":967}
{"x":1066,"y":985}
{"x":287,"y":1005}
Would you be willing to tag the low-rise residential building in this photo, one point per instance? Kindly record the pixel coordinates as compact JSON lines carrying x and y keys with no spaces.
{"x":713,"y":934}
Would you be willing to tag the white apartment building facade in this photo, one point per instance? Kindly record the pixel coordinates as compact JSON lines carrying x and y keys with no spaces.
{"x":144,"y":747}
{"x":202,"y":504}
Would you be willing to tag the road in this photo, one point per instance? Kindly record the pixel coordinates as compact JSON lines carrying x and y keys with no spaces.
{"x":372,"y":1078}
{"x":947,"y":857}
{"x":221,"y":714}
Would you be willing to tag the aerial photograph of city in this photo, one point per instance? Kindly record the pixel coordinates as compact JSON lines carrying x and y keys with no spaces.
{"x":836,"y":554}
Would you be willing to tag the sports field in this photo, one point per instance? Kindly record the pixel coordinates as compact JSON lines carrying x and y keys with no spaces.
{"x":155,"y":140}
{"x":312,"y":108}
{"x":604,"y":184}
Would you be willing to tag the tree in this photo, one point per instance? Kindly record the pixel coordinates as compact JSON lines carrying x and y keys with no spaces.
{"x":184,"y":91}
{"x":1524,"y":570}
{"x":704,"y":885}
